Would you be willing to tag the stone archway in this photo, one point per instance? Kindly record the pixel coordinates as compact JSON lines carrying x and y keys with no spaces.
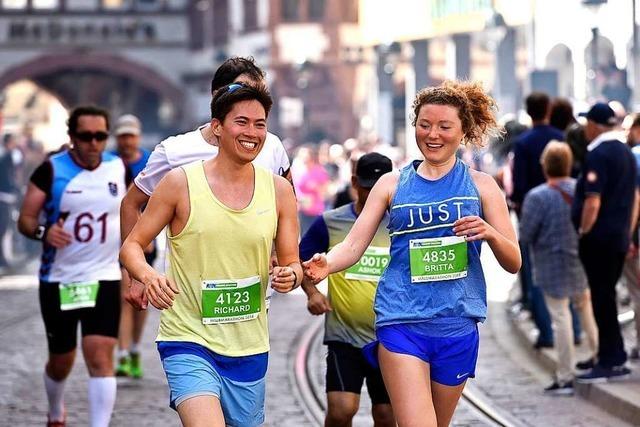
{"x":111,"y":81}
{"x":560,"y":60}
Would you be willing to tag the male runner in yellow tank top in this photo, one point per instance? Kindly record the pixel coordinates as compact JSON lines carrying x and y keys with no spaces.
{"x":223,"y":216}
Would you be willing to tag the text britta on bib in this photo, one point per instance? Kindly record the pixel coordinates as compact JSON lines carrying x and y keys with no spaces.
{"x":440,"y":258}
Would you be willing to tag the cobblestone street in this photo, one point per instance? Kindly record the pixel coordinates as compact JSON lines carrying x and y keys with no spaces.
{"x":506,"y":375}
{"x":139,"y":402}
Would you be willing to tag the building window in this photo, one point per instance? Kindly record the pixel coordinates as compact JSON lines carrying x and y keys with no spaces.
{"x":220,"y":21}
{"x":116,"y":4}
{"x":14,"y":4}
{"x":149,"y":4}
{"x":290,"y":10}
{"x":45,"y":4}
{"x":350,"y":10}
{"x":250,"y":15}
{"x":177,"y":4}
{"x":82,"y":4}
{"x":316,"y":10}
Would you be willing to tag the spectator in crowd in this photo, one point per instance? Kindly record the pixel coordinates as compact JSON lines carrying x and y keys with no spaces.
{"x":631,"y":270}
{"x":545,"y":224}
{"x":527,"y":174}
{"x":561,"y":115}
{"x":605,"y":211}
{"x":311,"y":187}
{"x":577,"y":141}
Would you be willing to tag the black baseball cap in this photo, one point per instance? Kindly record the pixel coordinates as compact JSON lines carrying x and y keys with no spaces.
{"x":601,"y":114}
{"x":370,"y":167}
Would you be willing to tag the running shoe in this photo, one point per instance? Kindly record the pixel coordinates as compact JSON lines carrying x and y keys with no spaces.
{"x":124,"y":367}
{"x":560,"y":389}
{"x":136,"y":366}
{"x":600,"y":374}
{"x":586,"y":364}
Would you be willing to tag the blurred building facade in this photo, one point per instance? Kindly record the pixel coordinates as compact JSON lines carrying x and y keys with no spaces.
{"x":154,"y":58}
{"x":337,"y":68}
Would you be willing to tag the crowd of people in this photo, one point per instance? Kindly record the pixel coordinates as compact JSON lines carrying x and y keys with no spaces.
{"x":577,"y":235}
{"x":398,"y":239}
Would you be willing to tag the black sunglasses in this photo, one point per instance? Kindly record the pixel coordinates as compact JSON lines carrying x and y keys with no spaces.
{"x":90,"y":136}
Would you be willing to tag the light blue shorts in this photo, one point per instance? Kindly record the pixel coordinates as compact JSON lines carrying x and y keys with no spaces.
{"x":239,"y":382}
{"x":452,"y":359}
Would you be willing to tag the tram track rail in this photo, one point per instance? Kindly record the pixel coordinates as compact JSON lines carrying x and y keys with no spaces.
{"x":313,"y":398}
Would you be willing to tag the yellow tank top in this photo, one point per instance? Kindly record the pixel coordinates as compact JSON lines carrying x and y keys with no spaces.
{"x":220,"y":262}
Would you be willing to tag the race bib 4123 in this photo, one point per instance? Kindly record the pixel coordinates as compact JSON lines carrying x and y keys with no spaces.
{"x":232,"y":300}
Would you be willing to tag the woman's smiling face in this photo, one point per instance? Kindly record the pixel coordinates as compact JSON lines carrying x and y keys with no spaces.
{"x":438,"y":132}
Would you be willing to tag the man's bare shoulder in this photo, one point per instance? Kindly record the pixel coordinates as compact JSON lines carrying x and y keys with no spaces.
{"x":173,"y":182}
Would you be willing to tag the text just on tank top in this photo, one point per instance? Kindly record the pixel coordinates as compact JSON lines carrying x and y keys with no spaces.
{"x":432,"y":275}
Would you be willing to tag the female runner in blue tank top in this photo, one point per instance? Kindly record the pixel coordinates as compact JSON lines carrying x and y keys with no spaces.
{"x":433,"y":292}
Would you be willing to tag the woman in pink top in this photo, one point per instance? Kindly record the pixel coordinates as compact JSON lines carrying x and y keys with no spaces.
{"x":311,"y":187}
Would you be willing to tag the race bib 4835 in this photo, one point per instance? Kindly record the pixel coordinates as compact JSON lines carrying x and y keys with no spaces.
{"x":443,"y":258}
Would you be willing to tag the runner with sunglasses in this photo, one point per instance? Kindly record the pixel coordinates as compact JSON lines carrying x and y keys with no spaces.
{"x":432,"y":293}
{"x":78,"y":192}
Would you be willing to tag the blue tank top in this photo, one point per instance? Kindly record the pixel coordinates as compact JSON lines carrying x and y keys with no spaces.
{"x":424,"y":209}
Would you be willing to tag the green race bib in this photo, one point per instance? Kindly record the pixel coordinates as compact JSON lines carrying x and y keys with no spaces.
{"x":443,"y":258}
{"x":78,"y":295}
{"x":370,"y":266}
{"x":229,"y":301}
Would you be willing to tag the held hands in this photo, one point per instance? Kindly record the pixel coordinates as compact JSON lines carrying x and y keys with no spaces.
{"x":283,"y":279}
{"x":56,"y":235}
{"x":317,"y":268}
{"x":134,"y":292}
{"x":159,"y":290}
{"x":318,"y":304}
{"x":473,"y":228}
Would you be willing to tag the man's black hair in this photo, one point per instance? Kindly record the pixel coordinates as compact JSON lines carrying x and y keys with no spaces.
{"x":232,"y":68}
{"x":538,"y":104}
{"x":85,"y":110}
{"x":227,"y":96}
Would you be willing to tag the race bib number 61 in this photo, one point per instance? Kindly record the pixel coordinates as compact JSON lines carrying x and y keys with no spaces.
{"x":443,"y":258}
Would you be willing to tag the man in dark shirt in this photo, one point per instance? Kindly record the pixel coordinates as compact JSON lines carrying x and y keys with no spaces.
{"x":605,"y":211}
{"x":527,"y":174}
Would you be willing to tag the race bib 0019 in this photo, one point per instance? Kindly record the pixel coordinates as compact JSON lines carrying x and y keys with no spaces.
{"x":443,"y":258}
{"x":370,"y":266}
{"x":78,"y":295}
{"x":230,"y":301}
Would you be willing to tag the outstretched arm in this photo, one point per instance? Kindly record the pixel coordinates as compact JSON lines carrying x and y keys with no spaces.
{"x":350,"y":250}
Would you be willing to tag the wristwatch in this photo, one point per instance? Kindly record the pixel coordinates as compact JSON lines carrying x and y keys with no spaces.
{"x":41,"y":230}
